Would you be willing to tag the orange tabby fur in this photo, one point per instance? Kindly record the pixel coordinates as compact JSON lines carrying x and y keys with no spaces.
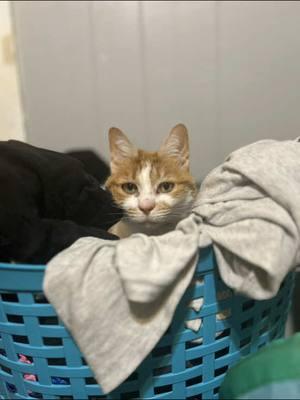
{"x":169,"y":164}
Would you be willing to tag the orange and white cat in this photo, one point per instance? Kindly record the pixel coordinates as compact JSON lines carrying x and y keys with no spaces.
{"x":155,"y":189}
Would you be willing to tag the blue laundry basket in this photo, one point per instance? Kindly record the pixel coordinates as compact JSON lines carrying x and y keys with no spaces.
{"x":184,"y":365}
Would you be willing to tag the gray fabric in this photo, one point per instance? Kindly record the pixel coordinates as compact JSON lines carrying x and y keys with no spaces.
{"x":118,"y":298}
{"x":250,"y":206}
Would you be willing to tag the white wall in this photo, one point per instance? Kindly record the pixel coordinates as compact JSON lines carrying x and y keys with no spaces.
{"x":258,"y":47}
{"x":11,"y":120}
{"x":228,"y":70}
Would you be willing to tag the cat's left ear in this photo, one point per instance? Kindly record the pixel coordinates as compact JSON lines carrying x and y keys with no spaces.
{"x":177,"y":145}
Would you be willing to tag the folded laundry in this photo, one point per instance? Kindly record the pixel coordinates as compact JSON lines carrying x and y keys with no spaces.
{"x":248,"y":208}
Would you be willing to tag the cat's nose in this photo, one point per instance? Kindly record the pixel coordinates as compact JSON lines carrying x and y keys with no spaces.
{"x":146,"y":205}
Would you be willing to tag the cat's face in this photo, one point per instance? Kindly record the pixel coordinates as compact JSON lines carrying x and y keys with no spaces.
{"x":152,"y":188}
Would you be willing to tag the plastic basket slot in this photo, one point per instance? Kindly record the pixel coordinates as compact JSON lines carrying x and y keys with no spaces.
{"x":224,"y":314}
{"x":194,"y":362}
{"x":56,"y":361}
{"x":16,"y":319}
{"x":168,"y":331}
{"x":163,"y":389}
{"x":66,"y":381}
{"x":29,"y":358}
{"x":130,"y":395}
{"x":244,"y":342}
{"x":3,"y":353}
{"x":193,"y":381}
{"x":221,"y":371}
{"x":90,"y":381}
{"x":161,"y":351}
{"x":40,"y":298}
{"x":52,"y":341}
{"x":5,"y":369}
{"x":223,"y":334}
{"x":10,"y":387}
{"x":162,"y":370}
{"x":282,"y":285}
{"x":247,"y":324}
{"x":198,"y":280}
{"x":191,"y":344}
{"x":222,"y":352}
{"x":133,"y":377}
{"x":10,"y":297}
{"x":48,"y":320}
{"x":20,"y":339}
{"x":198,"y":397}
{"x":248,"y":304}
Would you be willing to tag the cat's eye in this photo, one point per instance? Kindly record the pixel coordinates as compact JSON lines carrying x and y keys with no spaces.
{"x":129,"y":187}
{"x":165,"y":187}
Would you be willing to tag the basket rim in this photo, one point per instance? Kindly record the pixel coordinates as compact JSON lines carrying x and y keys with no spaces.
{"x":22,"y":267}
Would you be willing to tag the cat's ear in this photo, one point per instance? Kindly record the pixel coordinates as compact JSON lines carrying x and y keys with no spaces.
{"x":120,"y":148}
{"x":177,"y":145}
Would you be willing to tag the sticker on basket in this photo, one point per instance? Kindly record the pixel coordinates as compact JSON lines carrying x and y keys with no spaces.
{"x":194,"y":324}
{"x":196,"y":304}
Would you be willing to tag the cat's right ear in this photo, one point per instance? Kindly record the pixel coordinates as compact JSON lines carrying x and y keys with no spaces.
{"x":177,"y":146}
{"x":120,"y":148}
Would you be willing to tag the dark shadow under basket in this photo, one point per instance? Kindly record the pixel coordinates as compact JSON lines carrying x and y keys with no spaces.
{"x":39,"y":359}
